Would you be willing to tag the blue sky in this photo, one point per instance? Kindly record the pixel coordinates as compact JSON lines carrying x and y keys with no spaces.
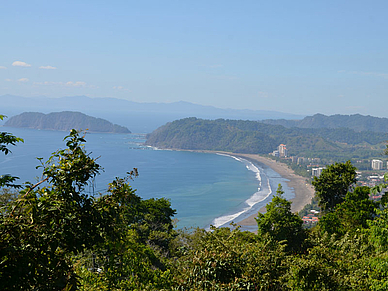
{"x":300,"y":57}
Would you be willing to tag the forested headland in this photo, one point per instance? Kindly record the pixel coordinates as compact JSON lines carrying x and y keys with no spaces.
{"x":254,"y":137}
{"x":53,"y":236}
{"x":64,"y":121}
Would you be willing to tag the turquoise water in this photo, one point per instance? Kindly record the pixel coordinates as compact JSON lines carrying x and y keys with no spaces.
{"x":204,"y":188}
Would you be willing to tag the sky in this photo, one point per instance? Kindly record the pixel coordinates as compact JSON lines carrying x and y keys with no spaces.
{"x":301,"y":57}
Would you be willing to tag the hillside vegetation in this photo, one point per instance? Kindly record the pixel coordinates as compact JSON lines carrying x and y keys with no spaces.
{"x":64,"y":121}
{"x":55,"y":237}
{"x":260,"y":138}
{"x":356,"y":122}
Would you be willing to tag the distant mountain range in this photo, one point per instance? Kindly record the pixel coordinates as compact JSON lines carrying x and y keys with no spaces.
{"x":139,"y":117}
{"x":65,"y":120}
{"x":146,"y":117}
{"x":356,"y":122}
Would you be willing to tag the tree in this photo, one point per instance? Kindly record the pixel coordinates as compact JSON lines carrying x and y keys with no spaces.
{"x":225,"y":259}
{"x":357,"y":209}
{"x":280,"y":223}
{"x":137,"y":242}
{"x":350,"y":215}
{"x":5,"y":140}
{"x":46,"y":226}
{"x":333,"y":184}
{"x":54,"y":223}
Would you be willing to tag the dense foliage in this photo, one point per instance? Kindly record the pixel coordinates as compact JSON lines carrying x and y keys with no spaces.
{"x":333,"y":184}
{"x":65,"y":120}
{"x":52,"y":223}
{"x":281,"y":224}
{"x":258,"y":138}
{"x":55,"y":237}
{"x":7,"y":139}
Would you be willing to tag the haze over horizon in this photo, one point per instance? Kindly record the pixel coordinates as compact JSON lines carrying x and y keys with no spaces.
{"x":296,"y":57}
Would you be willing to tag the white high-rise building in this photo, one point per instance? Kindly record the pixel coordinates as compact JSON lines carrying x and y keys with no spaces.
{"x":317,"y":171}
{"x":283,"y":152}
{"x":377,"y":164}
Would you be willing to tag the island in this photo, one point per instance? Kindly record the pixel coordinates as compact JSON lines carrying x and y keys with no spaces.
{"x":64,"y":121}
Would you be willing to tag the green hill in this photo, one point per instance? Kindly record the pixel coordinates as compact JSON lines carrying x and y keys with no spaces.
{"x":260,"y":138}
{"x":65,"y":120}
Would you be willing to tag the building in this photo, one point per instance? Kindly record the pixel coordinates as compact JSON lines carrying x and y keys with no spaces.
{"x":283,"y":152}
{"x":377,"y":165}
{"x":317,"y":171}
{"x":310,"y":219}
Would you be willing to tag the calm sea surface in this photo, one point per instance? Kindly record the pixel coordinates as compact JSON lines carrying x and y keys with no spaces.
{"x":204,"y":188}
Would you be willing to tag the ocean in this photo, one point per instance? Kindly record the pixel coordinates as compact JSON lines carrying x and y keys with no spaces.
{"x":204,"y":188}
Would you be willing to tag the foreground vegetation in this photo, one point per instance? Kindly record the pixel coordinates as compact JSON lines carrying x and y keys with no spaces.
{"x":54,"y":237}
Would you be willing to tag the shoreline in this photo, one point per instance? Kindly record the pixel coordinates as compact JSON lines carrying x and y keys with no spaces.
{"x":303,"y":191}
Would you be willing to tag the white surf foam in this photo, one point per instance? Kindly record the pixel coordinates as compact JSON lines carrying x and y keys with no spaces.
{"x":257,"y":197}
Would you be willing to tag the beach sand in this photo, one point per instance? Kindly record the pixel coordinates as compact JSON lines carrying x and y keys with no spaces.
{"x":304,"y":191}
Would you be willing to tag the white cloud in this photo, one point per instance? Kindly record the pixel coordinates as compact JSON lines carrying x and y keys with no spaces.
{"x":75,"y":84}
{"x":20,"y":64}
{"x":47,"y":67}
{"x":3,"y":68}
{"x":23,"y":80}
{"x":8,"y":80}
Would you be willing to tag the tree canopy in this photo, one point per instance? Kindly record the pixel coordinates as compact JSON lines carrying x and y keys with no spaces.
{"x":54,"y":220}
{"x":7,"y":139}
{"x":333,"y":184}
{"x":280,"y":223}
{"x":254,"y":137}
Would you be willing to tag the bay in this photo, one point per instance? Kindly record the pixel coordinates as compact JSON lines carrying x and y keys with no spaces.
{"x":204,"y":188}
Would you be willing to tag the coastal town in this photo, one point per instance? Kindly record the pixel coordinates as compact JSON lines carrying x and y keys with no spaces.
{"x":369,"y":177}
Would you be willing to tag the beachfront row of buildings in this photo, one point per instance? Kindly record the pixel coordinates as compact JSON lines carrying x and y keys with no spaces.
{"x":314,"y":163}
{"x":282,"y":152}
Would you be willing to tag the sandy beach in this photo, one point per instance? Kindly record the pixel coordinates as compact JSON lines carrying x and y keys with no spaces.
{"x":303,"y":191}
